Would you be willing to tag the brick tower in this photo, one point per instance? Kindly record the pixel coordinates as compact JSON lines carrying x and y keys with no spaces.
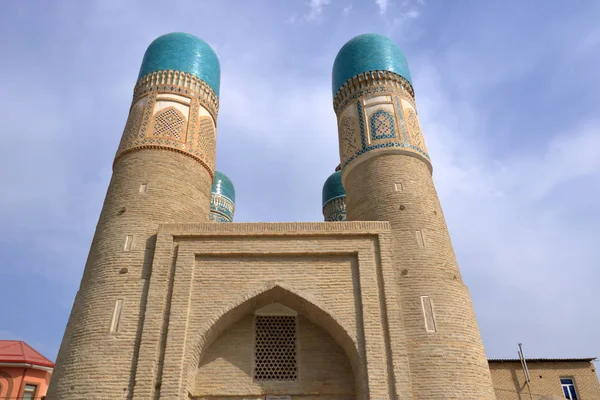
{"x":163,"y":172}
{"x":386,"y":172}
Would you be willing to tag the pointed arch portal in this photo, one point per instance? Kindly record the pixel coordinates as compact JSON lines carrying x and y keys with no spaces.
{"x":327,"y":356}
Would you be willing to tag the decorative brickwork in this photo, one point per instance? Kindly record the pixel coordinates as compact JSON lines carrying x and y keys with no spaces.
{"x":369,"y":84}
{"x":169,"y":123}
{"x":350,"y":142}
{"x":380,"y":130}
{"x":178,"y":83}
{"x":168,"y":128}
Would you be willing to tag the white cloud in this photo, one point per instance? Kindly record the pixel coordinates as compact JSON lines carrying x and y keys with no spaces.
{"x":383,"y":5}
{"x":316,"y":9}
{"x":523,"y":223}
{"x":347,"y":9}
{"x":412,"y":14}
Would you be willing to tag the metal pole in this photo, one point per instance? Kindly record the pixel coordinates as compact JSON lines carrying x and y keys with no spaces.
{"x":525,"y":370}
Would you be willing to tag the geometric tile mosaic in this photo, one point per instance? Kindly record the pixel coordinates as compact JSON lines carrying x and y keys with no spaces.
{"x":382,"y":125}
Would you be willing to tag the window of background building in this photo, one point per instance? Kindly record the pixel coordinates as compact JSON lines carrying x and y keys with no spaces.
{"x":568,"y":388}
{"x":29,"y":392}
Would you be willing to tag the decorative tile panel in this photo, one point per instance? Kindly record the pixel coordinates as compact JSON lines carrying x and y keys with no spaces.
{"x":335,"y":210}
{"x":169,"y":123}
{"x":413,"y":127}
{"x":222,"y":209}
{"x":349,"y":137}
{"x":382,"y":125}
{"x":168,"y":128}
{"x":387,"y":120}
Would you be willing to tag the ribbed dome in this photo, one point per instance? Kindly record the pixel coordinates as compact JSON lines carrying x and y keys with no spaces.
{"x":333,"y":188}
{"x":223,"y":186}
{"x":365,"y":53}
{"x":185,"y":53}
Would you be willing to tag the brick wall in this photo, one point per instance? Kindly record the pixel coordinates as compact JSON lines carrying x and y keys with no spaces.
{"x":509,"y":379}
{"x":329,"y":273}
{"x":323,"y":368}
{"x":94,"y":363}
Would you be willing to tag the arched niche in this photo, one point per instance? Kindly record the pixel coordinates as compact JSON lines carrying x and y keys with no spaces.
{"x":329,"y":364}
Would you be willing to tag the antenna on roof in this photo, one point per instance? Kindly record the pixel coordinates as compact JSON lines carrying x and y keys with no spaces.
{"x":525,"y":370}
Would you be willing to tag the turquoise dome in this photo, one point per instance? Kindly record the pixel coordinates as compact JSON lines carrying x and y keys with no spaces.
{"x":365,"y":53}
{"x":223,"y":186}
{"x":185,"y":53}
{"x":333,"y":188}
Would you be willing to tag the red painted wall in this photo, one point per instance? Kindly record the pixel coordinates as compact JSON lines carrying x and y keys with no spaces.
{"x":13,"y":381}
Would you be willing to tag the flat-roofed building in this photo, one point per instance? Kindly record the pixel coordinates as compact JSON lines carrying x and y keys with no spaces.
{"x":550,"y":378}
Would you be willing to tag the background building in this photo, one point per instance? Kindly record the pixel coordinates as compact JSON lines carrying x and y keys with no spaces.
{"x":24,"y":372}
{"x":563,"y":378}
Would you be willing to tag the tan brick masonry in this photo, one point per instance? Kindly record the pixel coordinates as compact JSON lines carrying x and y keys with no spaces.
{"x":92,"y":362}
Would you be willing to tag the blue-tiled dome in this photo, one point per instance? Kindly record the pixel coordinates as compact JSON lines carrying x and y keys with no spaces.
{"x":368,"y":52}
{"x":222,"y":199}
{"x":186,"y":53}
{"x":223,"y":186}
{"x":333,"y":188}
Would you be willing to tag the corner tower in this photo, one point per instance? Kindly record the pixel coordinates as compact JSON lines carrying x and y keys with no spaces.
{"x":334,"y":198}
{"x":222,"y":200}
{"x":386,"y":172}
{"x":163,"y":172}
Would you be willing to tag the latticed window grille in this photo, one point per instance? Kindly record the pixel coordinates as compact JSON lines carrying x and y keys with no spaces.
{"x":275,"y":352}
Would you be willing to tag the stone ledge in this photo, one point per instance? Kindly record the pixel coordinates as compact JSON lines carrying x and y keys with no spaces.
{"x":276,"y":228}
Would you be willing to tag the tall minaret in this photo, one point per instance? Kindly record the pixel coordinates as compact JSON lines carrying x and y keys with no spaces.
{"x":222,"y":200}
{"x":162,"y":173}
{"x":386,"y":172}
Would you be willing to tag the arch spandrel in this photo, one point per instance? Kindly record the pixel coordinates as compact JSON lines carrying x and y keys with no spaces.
{"x":305,"y":305}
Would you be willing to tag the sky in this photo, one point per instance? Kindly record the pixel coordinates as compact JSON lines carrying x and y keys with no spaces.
{"x":508,"y":95}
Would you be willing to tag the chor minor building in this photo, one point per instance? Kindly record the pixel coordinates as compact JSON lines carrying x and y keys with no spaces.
{"x":177,"y":301}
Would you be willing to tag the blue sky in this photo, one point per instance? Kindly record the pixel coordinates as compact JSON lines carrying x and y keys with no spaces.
{"x":508,"y":95}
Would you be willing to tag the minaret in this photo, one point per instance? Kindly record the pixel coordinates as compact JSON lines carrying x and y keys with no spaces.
{"x":386,"y":172}
{"x":222,"y":200}
{"x":162,"y":173}
{"x":334,"y":195}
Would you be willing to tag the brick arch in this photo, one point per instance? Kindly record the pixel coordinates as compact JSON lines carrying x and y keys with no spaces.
{"x":304,"y":305}
{"x":6,"y":378}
